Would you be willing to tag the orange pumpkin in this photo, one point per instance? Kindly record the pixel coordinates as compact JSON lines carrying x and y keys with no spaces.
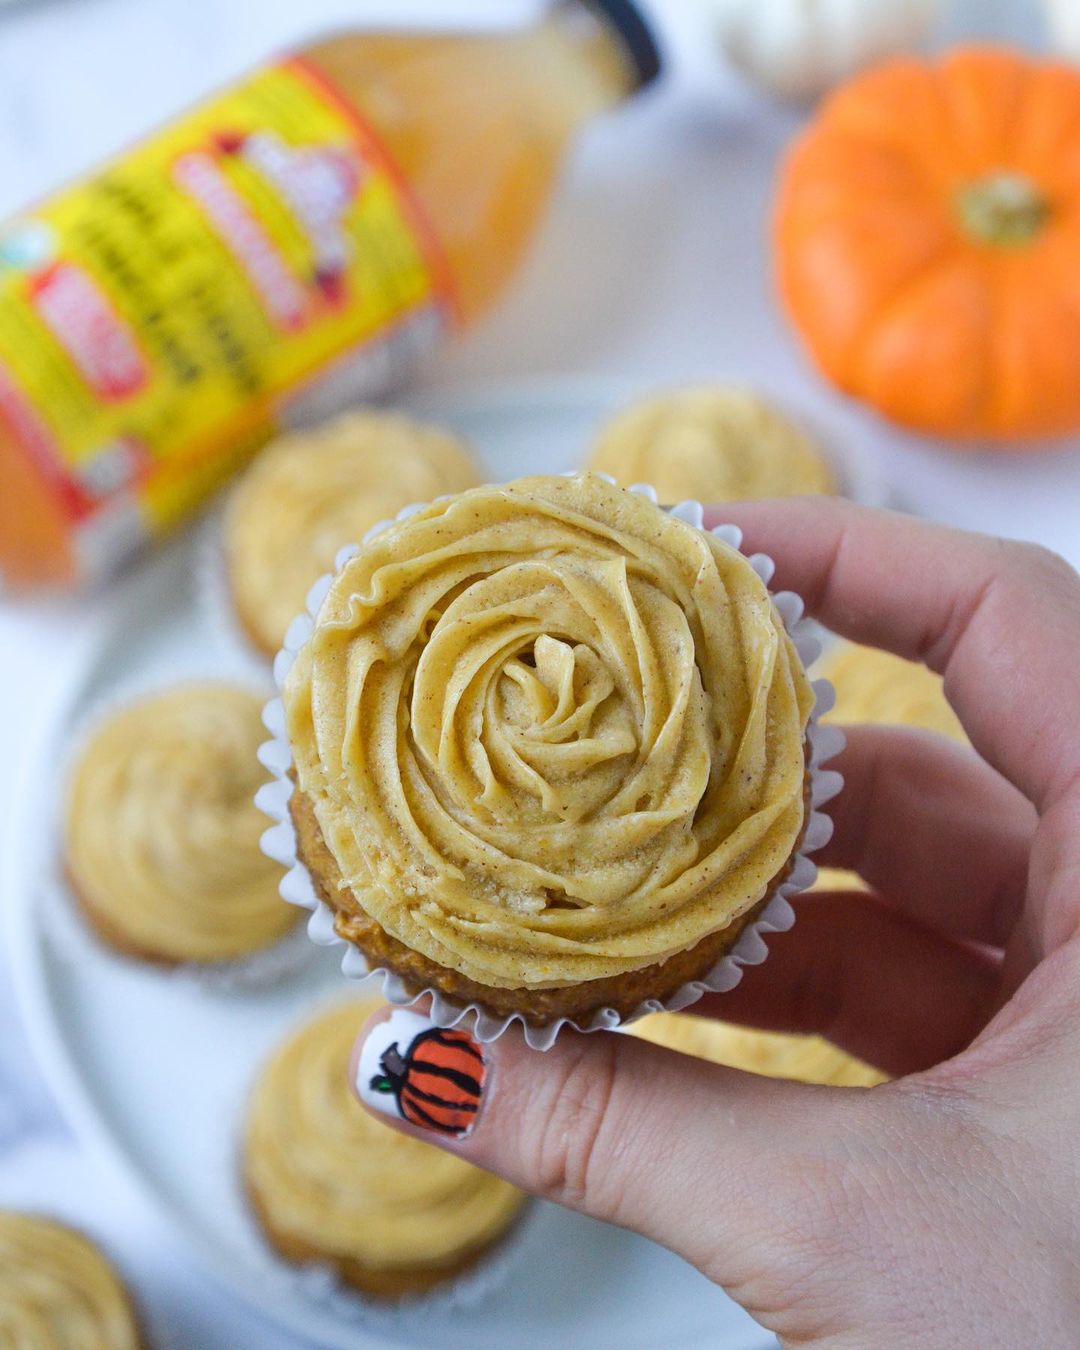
{"x":927,"y":238}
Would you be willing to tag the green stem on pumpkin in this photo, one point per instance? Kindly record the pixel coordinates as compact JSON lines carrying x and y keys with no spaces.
{"x":1003,"y":208}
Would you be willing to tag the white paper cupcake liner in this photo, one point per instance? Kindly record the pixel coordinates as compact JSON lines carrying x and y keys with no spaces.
{"x":279,"y":841}
{"x":67,"y":926}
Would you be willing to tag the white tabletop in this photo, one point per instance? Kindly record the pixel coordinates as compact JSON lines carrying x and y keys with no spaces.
{"x":652,"y":265}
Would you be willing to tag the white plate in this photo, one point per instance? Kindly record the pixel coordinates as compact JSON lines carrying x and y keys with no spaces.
{"x":153,"y":1069}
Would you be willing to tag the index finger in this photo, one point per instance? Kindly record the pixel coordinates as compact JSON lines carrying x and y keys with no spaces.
{"x":1000,"y":620}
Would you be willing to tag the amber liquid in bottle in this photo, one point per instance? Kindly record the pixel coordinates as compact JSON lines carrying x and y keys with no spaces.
{"x":477,"y":124}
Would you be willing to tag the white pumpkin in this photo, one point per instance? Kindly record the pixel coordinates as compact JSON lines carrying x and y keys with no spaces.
{"x":1063,"y":26}
{"x":797,"y":49}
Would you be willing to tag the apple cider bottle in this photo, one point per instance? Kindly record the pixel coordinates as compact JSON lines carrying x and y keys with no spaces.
{"x":289,"y":245}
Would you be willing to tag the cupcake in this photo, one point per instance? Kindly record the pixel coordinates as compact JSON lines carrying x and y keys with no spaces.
{"x":309,"y":493}
{"x":875,"y":686}
{"x":711,"y":445}
{"x":330,"y":1183}
{"x":549,"y":750}
{"x":58,"y":1290}
{"x":161,"y":835}
{"x":805,"y":1059}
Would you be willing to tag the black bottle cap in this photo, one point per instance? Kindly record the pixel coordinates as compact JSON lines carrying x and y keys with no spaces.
{"x":636,"y":35}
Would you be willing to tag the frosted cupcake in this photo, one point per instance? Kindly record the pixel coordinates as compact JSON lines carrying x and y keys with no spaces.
{"x":161,"y":835}
{"x":57,"y":1290}
{"x":548,"y":748}
{"x":309,"y":493}
{"x":710,"y":444}
{"x":330,"y":1183}
{"x":804,"y":1059}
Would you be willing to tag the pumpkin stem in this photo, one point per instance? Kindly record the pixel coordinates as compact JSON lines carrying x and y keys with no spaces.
{"x":392,"y":1063}
{"x":1005,"y":209}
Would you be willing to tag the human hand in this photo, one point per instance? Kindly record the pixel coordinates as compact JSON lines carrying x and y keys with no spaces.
{"x":942,"y":1208}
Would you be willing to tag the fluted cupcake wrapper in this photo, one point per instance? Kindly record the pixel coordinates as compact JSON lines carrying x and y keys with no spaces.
{"x":750,"y":949}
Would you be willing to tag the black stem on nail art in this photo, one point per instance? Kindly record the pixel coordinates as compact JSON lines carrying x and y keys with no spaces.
{"x":393,"y":1071}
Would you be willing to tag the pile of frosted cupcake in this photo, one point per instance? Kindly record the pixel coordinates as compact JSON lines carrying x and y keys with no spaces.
{"x":543,"y":751}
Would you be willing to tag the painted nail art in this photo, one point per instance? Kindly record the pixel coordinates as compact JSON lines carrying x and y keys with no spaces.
{"x":430,"y":1076}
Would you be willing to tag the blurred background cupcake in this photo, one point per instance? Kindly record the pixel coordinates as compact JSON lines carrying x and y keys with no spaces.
{"x":710,"y":443}
{"x":312,"y":492}
{"x":330,"y":1184}
{"x":161,"y":833}
{"x":58,"y":1291}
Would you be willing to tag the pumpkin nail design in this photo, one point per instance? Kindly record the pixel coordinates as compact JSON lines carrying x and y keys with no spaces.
{"x":430,"y":1076}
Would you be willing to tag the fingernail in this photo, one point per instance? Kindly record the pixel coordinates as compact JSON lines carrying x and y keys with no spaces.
{"x":410,"y":1069}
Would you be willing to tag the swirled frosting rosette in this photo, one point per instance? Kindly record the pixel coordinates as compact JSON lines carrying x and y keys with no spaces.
{"x":57,"y":1290}
{"x":161,"y":837}
{"x":544,"y":751}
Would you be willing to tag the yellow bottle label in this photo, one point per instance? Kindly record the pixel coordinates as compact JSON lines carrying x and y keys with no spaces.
{"x":252,"y":264}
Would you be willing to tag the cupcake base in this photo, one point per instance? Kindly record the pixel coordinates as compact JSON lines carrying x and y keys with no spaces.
{"x":622,"y":993}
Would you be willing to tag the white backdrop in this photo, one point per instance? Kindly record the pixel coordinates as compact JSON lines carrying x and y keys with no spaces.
{"x":652,"y":265}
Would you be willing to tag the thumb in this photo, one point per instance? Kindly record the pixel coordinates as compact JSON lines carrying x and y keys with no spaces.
{"x":735,"y":1172}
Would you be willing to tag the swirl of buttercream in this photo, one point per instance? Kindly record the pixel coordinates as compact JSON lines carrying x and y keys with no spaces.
{"x":551,"y":733}
{"x":329,"y":1177}
{"x":312,"y":491}
{"x":57,"y":1290}
{"x":162,"y":834}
